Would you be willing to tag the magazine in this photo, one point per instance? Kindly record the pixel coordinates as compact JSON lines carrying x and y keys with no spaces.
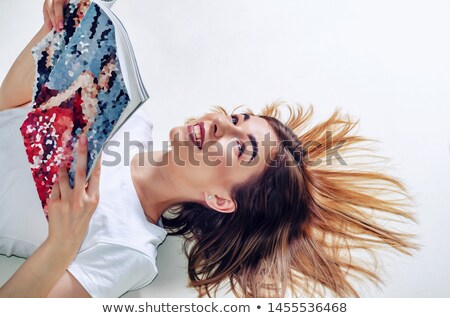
{"x":87,"y":81}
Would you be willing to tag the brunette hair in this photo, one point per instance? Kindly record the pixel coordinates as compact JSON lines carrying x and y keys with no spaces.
{"x":300,"y":225}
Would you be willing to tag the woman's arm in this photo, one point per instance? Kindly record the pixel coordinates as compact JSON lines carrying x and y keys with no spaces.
{"x":39,"y":274}
{"x":17,"y":86}
{"x":70,"y":210}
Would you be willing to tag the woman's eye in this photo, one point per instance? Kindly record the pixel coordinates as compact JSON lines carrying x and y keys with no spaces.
{"x":234,"y":119}
{"x":240,"y":147}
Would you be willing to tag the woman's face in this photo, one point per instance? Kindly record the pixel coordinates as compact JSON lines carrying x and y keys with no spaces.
{"x":217,"y":152}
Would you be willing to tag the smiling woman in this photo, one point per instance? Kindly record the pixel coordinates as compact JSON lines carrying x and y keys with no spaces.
{"x":232,"y":150}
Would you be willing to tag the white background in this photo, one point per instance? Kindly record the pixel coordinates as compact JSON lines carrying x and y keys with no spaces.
{"x":386,"y":63}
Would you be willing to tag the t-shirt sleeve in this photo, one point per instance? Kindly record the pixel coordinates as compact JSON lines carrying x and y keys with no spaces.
{"x":109,"y":270}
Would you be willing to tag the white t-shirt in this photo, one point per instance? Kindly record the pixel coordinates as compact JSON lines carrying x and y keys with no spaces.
{"x":119,"y":251}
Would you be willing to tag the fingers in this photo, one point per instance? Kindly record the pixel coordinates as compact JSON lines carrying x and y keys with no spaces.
{"x":94,"y":180}
{"x":64,"y":185}
{"x":48,"y":8}
{"x":58,"y":12}
{"x":54,"y":14}
{"x":56,"y":194}
{"x":80,"y":170}
{"x":47,"y":22}
{"x":80,"y":174}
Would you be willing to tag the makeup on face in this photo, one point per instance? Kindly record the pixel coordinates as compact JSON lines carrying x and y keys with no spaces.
{"x":197,"y":134}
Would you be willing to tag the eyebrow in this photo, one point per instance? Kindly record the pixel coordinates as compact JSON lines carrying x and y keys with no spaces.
{"x":252,"y":140}
{"x":254,"y":146}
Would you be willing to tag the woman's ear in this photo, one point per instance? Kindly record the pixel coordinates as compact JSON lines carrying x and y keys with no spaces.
{"x":219,"y":203}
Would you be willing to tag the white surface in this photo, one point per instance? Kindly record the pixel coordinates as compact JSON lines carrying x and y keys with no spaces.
{"x":384,"y":62}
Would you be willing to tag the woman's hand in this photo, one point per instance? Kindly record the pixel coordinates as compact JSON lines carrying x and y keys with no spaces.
{"x":53,"y":14}
{"x":70,"y":210}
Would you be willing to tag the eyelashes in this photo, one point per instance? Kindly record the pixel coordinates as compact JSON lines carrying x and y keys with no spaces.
{"x":241,"y":146}
{"x":234,"y":119}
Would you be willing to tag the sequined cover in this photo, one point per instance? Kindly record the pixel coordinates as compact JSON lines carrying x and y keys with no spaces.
{"x":79,"y":88}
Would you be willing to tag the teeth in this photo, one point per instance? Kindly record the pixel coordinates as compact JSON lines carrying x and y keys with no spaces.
{"x":197,"y":132}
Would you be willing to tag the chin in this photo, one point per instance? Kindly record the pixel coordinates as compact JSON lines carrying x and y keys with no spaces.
{"x":179,"y":132}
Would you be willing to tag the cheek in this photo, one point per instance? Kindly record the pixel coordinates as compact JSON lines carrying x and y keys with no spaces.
{"x":216,"y":165}
{"x":231,"y":169}
{"x":221,"y":155}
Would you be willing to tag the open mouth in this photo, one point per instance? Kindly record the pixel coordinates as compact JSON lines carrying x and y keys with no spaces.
{"x":197,"y":134}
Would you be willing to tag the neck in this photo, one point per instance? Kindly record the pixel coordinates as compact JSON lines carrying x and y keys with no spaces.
{"x":155,"y":185}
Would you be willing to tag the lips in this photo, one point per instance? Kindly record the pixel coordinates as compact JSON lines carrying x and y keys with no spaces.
{"x":197,"y":134}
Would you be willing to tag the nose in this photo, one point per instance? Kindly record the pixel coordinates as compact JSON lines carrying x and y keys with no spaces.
{"x":222,"y":125}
